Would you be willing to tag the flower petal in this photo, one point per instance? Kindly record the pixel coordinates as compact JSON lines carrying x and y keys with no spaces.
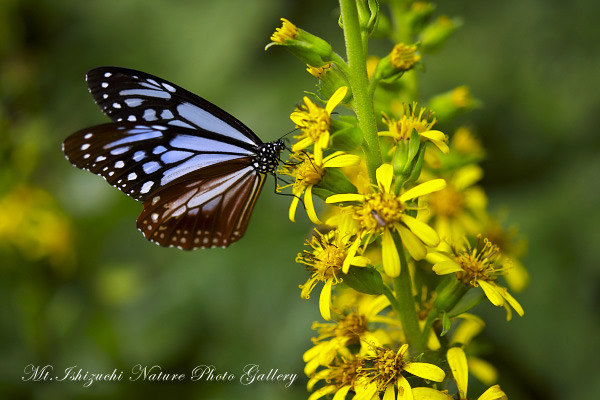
{"x":425,"y":371}
{"x":492,"y":292}
{"x":390,"y":393}
{"x":384,"y":174}
{"x":422,"y":230}
{"x":425,"y":393}
{"x":341,"y":393}
{"x":301,"y":145}
{"x":325,"y":300}
{"x":493,"y":393}
{"x":438,"y":139}
{"x":458,"y":365}
{"x":336,"y":98}
{"x":322,"y":391}
{"x":340,"y":161}
{"x":513,"y":302}
{"x":293,"y":206}
{"x":350,"y":255}
{"x":424,"y":188}
{"x":339,"y":198}
{"x":404,"y":390}
{"x":446,"y":267}
{"x":310,"y":208}
{"x":389,"y":254}
{"x":415,"y":247}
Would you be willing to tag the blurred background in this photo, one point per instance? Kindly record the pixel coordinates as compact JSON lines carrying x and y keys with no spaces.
{"x":79,"y":285}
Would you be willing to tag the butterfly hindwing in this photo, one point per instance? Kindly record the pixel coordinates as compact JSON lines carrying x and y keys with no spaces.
{"x":127,"y":95}
{"x":208,"y":209}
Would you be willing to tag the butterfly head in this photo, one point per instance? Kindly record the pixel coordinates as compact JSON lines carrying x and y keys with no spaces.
{"x":267,"y":159}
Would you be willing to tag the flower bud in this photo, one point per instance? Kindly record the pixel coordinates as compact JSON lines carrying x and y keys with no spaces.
{"x":368,"y":15}
{"x":450,"y":104}
{"x":402,"y":58}
{"x":309,"y":48}
{"x":449,"y":291}
{"x":435,"y":34}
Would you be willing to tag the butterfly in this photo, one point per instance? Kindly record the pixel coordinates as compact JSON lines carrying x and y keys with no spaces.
{"x":197,"y":170}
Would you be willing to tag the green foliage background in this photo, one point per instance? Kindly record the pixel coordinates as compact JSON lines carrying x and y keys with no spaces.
{"x":120,"y":300}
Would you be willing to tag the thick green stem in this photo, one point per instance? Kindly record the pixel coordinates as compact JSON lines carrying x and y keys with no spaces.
{"x":406,"y":303}
{"x":359,"y":83}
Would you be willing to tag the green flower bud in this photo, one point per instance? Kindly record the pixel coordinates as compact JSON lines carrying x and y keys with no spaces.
{"x":402,"y":58}
{"x":449,"y":291}
{"x":450,"y":104}
{"x":368,"y":15}
{"x":435,"y":34}
{"x":309,"y":48}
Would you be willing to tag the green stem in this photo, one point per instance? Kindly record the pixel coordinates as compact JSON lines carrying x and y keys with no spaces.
{"x":431,"y":317}
{"x":406,"y":303}
{"x":359,"y":83}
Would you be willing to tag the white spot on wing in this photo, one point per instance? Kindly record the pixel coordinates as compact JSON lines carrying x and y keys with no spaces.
{"x":159,"y":149}
{"x":119,"y":164}
{"x":104,"y":85}
{"x":88,"y":135}
{"x":138,"y":156}
{"x":168,"y":87}
{"x":151,"y":167}
{"x":85,"y":146}
{"x":150,"y":134}
{"x":149,"y":115}
{"x":131,"y":176}
{"x":132,"y":118}
{"x":146,"y":187}
{"x":119,"y":150}
{"x":133,"y":102}
{"x":166,"y":114}
{"x":107,"y":74}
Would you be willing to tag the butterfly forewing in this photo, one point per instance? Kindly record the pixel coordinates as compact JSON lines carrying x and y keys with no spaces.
{"x":210,"y":209}
{"x":134,"y":96}
{"x":197,"y":169}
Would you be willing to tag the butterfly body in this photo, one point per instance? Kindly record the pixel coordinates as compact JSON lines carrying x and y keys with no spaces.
{"x":197,"y":169}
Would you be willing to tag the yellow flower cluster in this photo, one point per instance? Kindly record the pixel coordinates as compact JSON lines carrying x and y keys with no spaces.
{"x":396,"y":197}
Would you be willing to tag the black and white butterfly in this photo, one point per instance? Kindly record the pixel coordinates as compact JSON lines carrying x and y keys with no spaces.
{"x":197,"y":169}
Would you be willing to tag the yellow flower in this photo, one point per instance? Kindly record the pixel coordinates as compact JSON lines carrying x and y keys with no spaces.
{"x":315,"y":123}
{"x":383,"y":370}
{"x":382,"y":212}
{"x":324,"y":262}
{"x":401,"y":130}
{"x":339,"y":376}
{"x":478,"y":268}
{"x":351,"y":328}
{"x":288,"y":31}
{"x":460,"y":208}
{"x":308,"y":172}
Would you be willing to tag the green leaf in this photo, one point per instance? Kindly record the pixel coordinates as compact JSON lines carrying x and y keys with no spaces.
{"x":364,"y":280}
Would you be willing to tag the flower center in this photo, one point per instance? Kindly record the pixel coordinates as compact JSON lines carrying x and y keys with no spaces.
{"x":384,"y":368}
{"x":402,"y":129}
{"x":378,"y":211}
{"x":403,"y":56}
{"x":329,"y":262}
{"x":447,"y":202}
{"x":308,"y":173}
{"x":316,"y":122}
{"x":353,"y":325}
{"x":478,"y":264}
